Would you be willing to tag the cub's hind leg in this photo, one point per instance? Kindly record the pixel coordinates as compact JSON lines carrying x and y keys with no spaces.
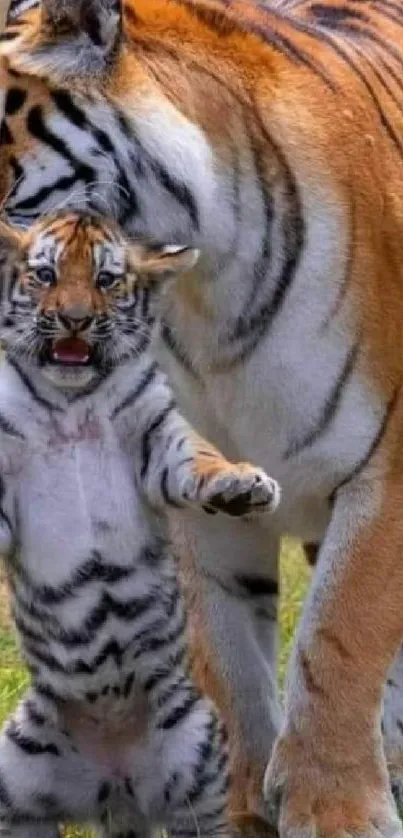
{"x":195,"y":768}
{"x":43,"y":779}
{"x":122,"y":821}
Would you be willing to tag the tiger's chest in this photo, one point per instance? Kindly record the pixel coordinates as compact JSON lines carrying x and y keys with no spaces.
{"x":300,"y":408}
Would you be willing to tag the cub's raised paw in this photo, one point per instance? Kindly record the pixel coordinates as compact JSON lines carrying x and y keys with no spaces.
{"x":239,"y":491}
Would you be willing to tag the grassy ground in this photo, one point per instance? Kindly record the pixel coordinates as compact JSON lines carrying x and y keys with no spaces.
{"x":294,"y":579}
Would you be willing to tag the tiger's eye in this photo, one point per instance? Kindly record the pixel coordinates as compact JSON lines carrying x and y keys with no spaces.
{"x":106,"y":280}
{"x":46,"y":276}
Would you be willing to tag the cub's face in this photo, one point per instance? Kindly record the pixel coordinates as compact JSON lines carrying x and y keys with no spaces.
{"x":77,"y":295}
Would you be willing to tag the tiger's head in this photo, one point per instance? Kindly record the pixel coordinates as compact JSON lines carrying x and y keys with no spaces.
{"x":77,"y":295}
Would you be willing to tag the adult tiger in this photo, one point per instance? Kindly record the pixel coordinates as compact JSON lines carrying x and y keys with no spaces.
{"x":275,"y":144}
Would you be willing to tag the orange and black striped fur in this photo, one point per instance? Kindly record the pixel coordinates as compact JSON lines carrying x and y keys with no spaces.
{"x":93,"y":454}
{"x":272,"y":140}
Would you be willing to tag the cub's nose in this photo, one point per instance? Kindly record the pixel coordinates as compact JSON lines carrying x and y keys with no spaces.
{"x":75,"y":318}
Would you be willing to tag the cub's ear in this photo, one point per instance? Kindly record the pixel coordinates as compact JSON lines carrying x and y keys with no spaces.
{"x":66,"y":38}
{"x":164,"y":260}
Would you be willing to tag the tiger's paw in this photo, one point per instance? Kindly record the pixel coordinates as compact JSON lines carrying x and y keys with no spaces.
{"x":239,"y":491}
{"x":311,"y":797}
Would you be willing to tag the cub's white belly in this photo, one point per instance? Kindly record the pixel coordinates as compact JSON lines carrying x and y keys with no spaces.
{"x":76,"y":499}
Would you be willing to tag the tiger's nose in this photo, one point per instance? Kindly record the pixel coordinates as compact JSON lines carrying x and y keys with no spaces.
{"x":75,"y":317}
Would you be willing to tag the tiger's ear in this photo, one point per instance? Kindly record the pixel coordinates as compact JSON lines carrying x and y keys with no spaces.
{"x":68,"y":38}
{"x":164,"y":261}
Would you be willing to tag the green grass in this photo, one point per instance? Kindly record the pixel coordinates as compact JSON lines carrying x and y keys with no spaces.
{"x":294,"y":579}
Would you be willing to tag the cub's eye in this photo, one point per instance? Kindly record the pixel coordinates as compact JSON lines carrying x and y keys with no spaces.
{"x":46,"y":276}
{"x":106,"y":280}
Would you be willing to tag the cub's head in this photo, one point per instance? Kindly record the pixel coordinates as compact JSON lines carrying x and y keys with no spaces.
{"x":75,"y":294}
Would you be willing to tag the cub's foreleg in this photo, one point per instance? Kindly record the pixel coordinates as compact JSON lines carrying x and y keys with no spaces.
{"x":183,"y":469}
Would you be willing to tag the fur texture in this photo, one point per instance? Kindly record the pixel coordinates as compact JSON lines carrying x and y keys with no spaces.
{"x":93,"y":452}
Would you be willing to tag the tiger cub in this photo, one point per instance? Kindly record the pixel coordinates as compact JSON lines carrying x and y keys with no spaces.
{"x":93,"y":450}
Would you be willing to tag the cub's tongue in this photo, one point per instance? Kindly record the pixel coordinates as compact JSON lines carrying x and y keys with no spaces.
{"x":71,"y":351}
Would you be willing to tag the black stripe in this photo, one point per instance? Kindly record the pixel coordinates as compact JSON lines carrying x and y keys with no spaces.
{"x":165,"y":490}
{"x":8,"y":428}
{"x":46,"y":692}
{"x":27,"y":744}
{"x":34,"y":715}
{"x":128,"y":685}
{"x":344,"y":286}
{"x":147,"y":436}
{"x":62,"y":184}
{"x":111,"y":649}
{"x":176,"y":350}
{"x":150,"y":640}
{"x":128,"y":204}
{"x":40,"y":400}
{"x":6,"y":137}
{"x":129,"y":787}
{"x":251,"y":327}
{"x":347,"y":58}
{"x":9,"y":36}
{"x":263,"y":261}
{"x":363,"y":55}
{"x":267,"y":32}
{"x":37,"y":127}
{"x":256,"y":585}
{"x":179,"y":713}
{"x":3,"y":515}
{"x":205,"y":752}
{"x":15,"y":99}
{"x":26,"y":632}
{"x":156,"y":644}
{"x":361,"y":465}
{"x":127,"y":611}
{"x":5,"y":798}
{"x":174,"y":689}
{"x":95,"y":569}
{"x":392,"y":13}
{"x":179,"y":190}
{"x":104,"y":792}
{"x":329,"y":409}
{"x":131,"y":398}
{"x":154,"y":680}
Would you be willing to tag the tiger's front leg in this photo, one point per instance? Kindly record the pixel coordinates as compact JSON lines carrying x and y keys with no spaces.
{"x":327,"y":775}
{"x":229,"y":569}
{"x":392,"y":716}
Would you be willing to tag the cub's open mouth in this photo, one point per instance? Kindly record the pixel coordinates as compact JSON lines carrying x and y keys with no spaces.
{"x":70,"y":352}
